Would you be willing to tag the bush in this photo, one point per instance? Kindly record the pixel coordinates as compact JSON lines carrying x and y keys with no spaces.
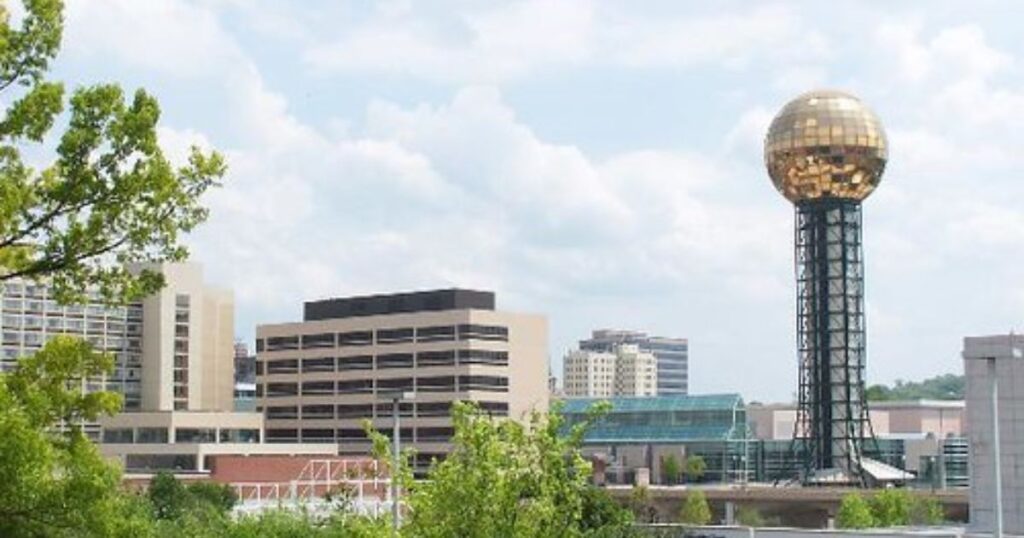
{"x":601,"y":511}
{"x":854,"y":513}
{"x":890,"y":508}
{"x":926,"y":511}
{"x":696,"y":510}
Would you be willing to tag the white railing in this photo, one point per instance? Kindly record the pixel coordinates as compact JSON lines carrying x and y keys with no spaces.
{"x":359,"y":480}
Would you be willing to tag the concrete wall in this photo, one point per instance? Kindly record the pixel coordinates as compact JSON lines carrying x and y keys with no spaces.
{"x":1002,"y":356}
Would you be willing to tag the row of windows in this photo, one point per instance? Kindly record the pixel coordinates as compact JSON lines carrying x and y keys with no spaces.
{"x":400,"y":335}
{"x":381,"y":410}
{"x":439,"y":434}
{"x":422,"y":359}
{"x":366,"y":386}
{"x":12,"y":304}
{"x":181,"y":435}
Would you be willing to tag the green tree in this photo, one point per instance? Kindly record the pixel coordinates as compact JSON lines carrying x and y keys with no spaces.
{"x":168,"y":496}
{"x":695,"y":468}
{"x":171,"y":499}
{"x":642,"y":506}
{"x":671,"y":469}
{"x":926,"y":511}
{"x":890,"y":508}
{"x":218,"y":497}
{"x":854,"y":513}
{"x":53,"y":481}
{"x":109,"y":197}
{"x":501,"y":478}
{"x":602,"y":513}
{"x":695,"y":510}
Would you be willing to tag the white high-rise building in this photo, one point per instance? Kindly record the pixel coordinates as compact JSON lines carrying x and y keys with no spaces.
{"x":625,"y":370}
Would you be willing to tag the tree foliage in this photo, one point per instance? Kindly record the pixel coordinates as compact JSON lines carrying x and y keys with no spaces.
{"x":889,"y":508}
{"x":109,"y":197}
{"x":671,"y":469}
{"x":941,"y":387}
{"x":501,"y":478}
{"x":854,"y":513}
{"x":171,"y":499}
{"x":53,"y":481}
{"x":695,"y":510}
{"x":695,"y":468}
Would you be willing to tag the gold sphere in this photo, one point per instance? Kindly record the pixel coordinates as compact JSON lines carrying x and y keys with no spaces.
{"x":825,"y":145}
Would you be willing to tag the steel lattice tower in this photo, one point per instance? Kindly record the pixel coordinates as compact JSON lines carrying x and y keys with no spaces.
{"x":825,"y":152}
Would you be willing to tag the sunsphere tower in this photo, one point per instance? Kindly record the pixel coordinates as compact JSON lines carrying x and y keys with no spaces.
{"x":825,"y":152}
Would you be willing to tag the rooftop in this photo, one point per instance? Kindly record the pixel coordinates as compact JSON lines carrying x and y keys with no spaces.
{"x":398,"y":303}
{"x":702,"y":402}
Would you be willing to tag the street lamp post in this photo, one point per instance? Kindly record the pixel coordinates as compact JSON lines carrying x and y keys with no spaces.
{"x":396,"y":398}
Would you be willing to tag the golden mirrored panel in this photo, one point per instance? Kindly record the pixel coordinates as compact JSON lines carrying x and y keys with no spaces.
{"x":825,"y":144}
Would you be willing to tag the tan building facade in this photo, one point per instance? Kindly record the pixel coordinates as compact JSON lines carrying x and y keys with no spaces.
{"x":625,"y":370}
{"x":318,"y":379}
{"x":187,"y":343}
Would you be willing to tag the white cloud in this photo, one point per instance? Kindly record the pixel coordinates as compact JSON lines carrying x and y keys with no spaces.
{"x":512,"y":40}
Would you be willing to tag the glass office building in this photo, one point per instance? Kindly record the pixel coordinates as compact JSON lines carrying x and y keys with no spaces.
{"x":641,"y":432}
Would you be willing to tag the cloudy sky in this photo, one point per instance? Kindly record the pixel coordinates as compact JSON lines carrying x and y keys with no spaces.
{"x":597,"y":162}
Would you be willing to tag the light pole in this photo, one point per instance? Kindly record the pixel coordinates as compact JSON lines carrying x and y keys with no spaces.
{"x":396,"y":398}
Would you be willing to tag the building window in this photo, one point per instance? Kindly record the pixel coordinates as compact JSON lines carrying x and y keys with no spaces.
{"x":394,"y":336}
{"x":278,"y":413}
{"x":313,"y":341}
{"x":151,"y":436}
{"x":433,"y":409}
{"x":231,"y":435}
{"x":195,"y":435}
{"x":488,"y":383}
{"x":434,"y":435}
{"x":325,"y":364}
{"x":318,"y":411}
{"x":318,"y":388}
{"x":355,"y":338}
{"x":394,"y":360}
{"x":280,"y":390}
{"x":355,"y":411}
{"x":425,"y":359}
{"x":483,"y":332}
{"x":497,"y":409}
{"x":402,"y":383}
{"x":318,"y":435}
{"x":435,"y":384}
{"x":351,"y":434}
{"x":282,"y":343}
{"x":483,"y":356}
{"x":284,"y":435}
{"x":440,"y":333}
{"x":259,"y":345}
{"x":356,"y":386}
{"x":284,"y":366}
{"x":384,"y":410}
{"x":359,"y":362}
{"x":118,"y":435}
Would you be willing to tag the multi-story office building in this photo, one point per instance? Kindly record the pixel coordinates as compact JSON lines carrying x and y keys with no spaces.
{"x":319,"y":378}
{"x":622,"y":371}
{"x":172,"y":350}
{"x":994,"y":368}
{"x":672,"y":355}
{"x":588,"y":373}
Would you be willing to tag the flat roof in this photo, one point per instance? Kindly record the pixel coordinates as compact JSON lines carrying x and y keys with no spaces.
{"x":700,"y":402}
{"x":398,"y":303}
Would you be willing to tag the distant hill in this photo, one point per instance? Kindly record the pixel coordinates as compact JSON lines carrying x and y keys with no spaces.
{"x":943,"y":387}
